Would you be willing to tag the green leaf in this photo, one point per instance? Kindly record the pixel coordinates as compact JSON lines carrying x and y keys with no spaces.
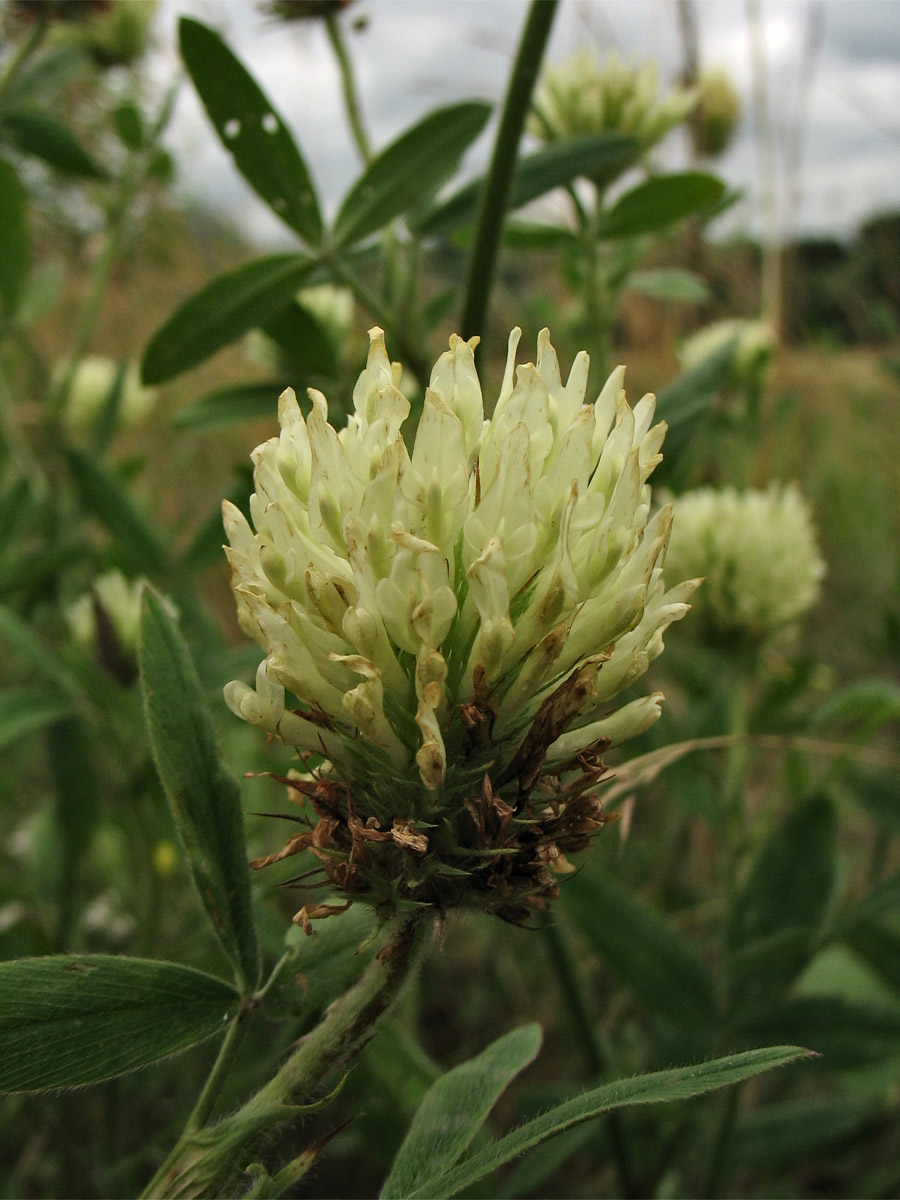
{"x":20,"y":572}
{"x":879,"y":792}
{"x":304,"y":340}
{"x":670,"y":284}
{"x":25,"y":710}
{"x":660,"y":1087}
{"x":42,"y":290}
{"x":129,"y":125}
{"x":792,"y":878}
{"x":237,"y":301}
{"x":845,"y":1033}
{"x":20,"y":636}
{"x":553,"y":167}
{"x":871,"y":700}
{"x":251,"y":130}
{"x":44,"y":74}
{"x":13,"y":238}
{"x":884,"y":897}
{"x":524,"y":235}
{"x":778,"y":911}
{"x":685,"y":402}
{"x":664,"y":971}
{"x":249,"y":401}
{"x":73,"y":755}
{"x":782,"y":1133}
{"x":878,"y":946}
{"x":104,"y":494}
{"x":659,"y":202}
{"x":454,"y":1109}
{"x":205,"y":548}
{"x":41,"y":136}
{"x":78,"y":1019}
{"x":205,"y":799}
{"x":410,"y":170}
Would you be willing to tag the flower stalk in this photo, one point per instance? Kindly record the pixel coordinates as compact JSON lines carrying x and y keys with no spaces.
{"x":205,"y":1160}
{"x":497,"y":184}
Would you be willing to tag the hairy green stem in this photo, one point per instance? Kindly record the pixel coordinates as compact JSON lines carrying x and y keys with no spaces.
{"x":217,"y":1076}
{"x":348,"y":87}
{"x":204,"y":1160}
{"x":495,"y":194}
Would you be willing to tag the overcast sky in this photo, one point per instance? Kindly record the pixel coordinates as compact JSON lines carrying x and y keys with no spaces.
{"x":413,"y":55}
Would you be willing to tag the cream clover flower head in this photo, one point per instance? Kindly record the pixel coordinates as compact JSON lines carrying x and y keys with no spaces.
{"x":758,"y":552}
{"x":717,"y":115}
{"x":446,"y":627}
{"x":92,"y":387}
{"x":583,"y":95}
{"x":106,"y":620}
{"x":754,"y":345}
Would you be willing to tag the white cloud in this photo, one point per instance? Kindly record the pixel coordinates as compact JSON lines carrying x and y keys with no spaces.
{"x":417,"y":54}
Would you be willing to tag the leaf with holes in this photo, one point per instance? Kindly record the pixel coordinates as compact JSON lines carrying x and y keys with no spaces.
{"x":251,"y":130}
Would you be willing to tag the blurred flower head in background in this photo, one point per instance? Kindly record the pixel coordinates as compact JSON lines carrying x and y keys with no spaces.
{"x":758,"y":553}
{"x":717,"y":115}
{"x":92,"y":389}
{"x":753,"y":347}
{"x":105,"y":621}
{"x":454,"y":622}
{"x":584,"y":95}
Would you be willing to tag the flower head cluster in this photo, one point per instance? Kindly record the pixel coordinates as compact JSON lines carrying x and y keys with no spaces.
{"x":92,"y":388}
{"x":717,"y":114}
{"x":453,"y":621}
{"x":753,"y":345}
{"x":105,"y":620}
{"x":758,"y":553}
{"x":582,"y":96}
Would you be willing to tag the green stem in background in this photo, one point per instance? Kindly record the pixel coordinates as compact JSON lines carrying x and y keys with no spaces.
{"x":733,"y":782}
{"x":205,"y":1159}
{"x":348,"y":86}
{"x":28,"y":47}
{"x":589,"y":1040}
{"x":495,"y":194}
{"x":716,"y":1172}
{"x":129,"y":188}
{"x":597,"y":310}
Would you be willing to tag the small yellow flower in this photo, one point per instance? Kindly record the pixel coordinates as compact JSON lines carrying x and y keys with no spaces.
{"x":445,"y":628}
